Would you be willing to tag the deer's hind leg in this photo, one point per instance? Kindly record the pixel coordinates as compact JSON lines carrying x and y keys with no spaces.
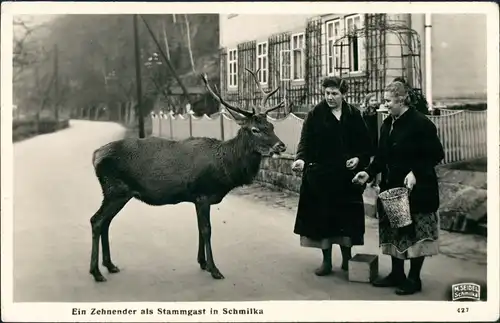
{"x":106,"y":254}
{"x":114,"y":200}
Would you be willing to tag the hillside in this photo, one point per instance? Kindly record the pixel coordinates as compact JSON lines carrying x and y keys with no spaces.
{"x":96,"y":58}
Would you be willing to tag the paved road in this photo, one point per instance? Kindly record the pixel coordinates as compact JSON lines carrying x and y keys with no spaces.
{"x":56,"y":193}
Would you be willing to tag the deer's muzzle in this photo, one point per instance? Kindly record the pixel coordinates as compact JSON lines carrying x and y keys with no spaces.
{"x":278,"y":148}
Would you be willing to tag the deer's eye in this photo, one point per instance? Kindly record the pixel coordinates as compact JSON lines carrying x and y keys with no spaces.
{"x":255,"y":130}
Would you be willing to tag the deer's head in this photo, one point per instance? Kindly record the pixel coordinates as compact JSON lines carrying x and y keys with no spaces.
{"x":254,"y":124}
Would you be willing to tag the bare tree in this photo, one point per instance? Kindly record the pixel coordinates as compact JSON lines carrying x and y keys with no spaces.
{"x":188,"y":36}
{"x":164,"y":28}
{"x":22,"y":56}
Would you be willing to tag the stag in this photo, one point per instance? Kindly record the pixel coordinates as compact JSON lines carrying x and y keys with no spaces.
{"x":158,"y":171}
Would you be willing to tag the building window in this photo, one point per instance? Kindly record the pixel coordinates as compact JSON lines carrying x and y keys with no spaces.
{"x":262,"y":62}
{"x":333,"y":50}
{"x":285,"y":65}
{"x":349,"y":53}
{"x":297,"y":57}
{"x":356,"y":47}
{"x":232,"y":68}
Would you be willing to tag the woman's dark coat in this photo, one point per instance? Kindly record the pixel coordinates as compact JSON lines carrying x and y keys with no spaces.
{"x":412,"y":145}
{"x":330,"y":204}
{"x":371,"y":119}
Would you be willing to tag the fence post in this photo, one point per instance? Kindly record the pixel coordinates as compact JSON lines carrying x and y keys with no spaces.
{"x":160,"y":117}
{"x":190,"y":123}
{"x":221,"y":125}
{"x":170,"y":117}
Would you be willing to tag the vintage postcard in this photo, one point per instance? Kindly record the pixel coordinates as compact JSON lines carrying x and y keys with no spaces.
{"x":250,"y":161}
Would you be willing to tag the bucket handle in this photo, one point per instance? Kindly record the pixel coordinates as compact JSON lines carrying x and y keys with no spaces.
{"x":408,"y":190}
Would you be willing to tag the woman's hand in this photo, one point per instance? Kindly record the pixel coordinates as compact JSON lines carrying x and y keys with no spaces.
{"x":352,"y":163}
{"x":361,"y":178}
{"x":298,"y":165}
{"x":410,"y":181}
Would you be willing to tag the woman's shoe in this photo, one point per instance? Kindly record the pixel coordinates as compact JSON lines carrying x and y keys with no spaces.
{"x":390,"y":280}
{"x":323,"y":270}
{"x":409,"y":287}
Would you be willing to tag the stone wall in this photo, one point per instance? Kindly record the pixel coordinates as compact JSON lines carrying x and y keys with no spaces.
{"x":278,"y":172}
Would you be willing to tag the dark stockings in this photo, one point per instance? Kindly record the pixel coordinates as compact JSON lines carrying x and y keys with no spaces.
{"x":397,"y":277}
{"x":416,"y":264}
{"x":413,"y":283}
{"x":398,"y":267}
{"x":346,"y":256}
{"x":326,"y":265}
{"x":416,"y":267}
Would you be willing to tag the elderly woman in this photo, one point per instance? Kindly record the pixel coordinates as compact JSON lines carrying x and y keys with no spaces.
{"x":333,"y":146}
{"x":416,"y":98}
{"x":408,"y":151}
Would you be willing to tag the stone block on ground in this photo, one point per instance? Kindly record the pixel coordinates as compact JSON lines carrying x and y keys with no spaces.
{"x":363,"y":268}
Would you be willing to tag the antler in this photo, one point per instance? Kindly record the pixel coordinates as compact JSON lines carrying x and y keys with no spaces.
{"x":266,"y":96}
{"x":204,"y":77}
{"x":276,"y":107}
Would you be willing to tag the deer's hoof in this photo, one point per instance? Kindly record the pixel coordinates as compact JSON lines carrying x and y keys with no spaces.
{"x":113,"y":269}
{"x":217,"y":275}
{"x":98,"y":277}
{"x":203,"y":265}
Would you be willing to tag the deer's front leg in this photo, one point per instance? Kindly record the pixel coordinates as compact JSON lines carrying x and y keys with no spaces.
{"x":203,"y":214}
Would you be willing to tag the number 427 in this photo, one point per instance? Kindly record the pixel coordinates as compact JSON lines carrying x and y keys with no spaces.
{"x":462,"y":309}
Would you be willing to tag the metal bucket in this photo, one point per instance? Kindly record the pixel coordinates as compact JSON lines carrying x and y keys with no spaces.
{"x":396,"y":204}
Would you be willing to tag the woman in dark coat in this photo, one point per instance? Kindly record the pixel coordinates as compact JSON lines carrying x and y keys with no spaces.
{"x":334,"y":145}
{"x":369,"y":113}
{"x":408,"y":151}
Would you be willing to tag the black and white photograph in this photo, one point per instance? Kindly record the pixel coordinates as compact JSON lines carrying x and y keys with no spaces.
{"x":251,"y":161}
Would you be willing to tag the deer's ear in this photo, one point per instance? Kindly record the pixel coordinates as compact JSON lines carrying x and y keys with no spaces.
{"x":239,"y":119}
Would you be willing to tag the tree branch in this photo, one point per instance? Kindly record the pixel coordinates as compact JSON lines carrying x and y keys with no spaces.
{"x":188,"y":35}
